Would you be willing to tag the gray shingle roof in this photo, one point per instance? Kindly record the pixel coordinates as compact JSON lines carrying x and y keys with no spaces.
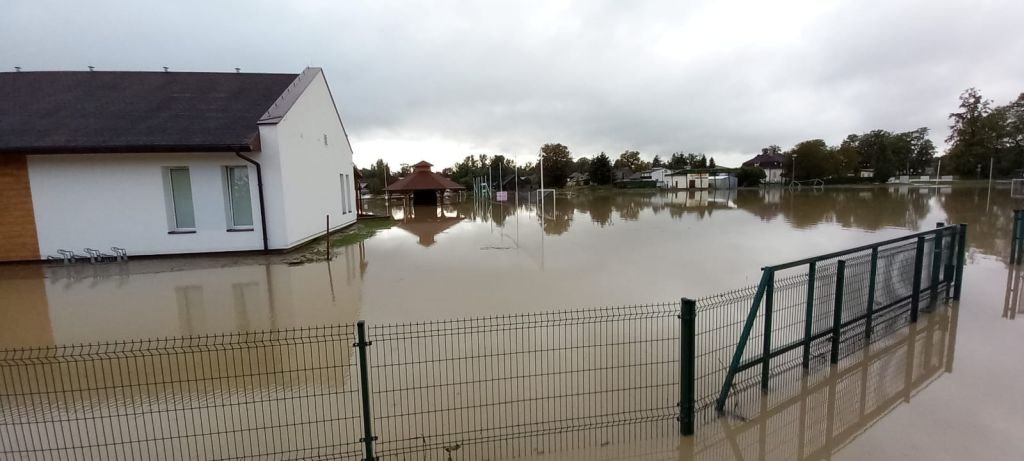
{"x":78,"y":112}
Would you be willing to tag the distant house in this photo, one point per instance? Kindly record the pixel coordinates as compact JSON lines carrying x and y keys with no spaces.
{"x":169,"y":162}
{"x":771,"y":164}
{"x":658,"y":175}
{"x":423,"y":186}
{"x":579,"y":179}
{"x":687,"y":179}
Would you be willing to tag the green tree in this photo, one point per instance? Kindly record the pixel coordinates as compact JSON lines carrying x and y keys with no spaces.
{"x":582,"y":165}
{"x":630,"y":159}
{"x":711,"y":163}
{"x":601,"y":169}
{"x":749,"y":176}
{"x":557,"y":164}
{"x":657,"y":162}
{"x":677,"y":161}
{"x":971,"y":135}
{"x":848,"y":157}
{"x":883,"y":151}
{"x":814,"y":160}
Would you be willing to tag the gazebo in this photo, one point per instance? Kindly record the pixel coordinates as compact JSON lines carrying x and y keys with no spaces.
{"x":423,"y":186}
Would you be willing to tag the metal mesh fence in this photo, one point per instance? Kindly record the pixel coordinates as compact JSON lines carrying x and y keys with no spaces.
{"x":524,"y":384}
{"x":803,"y":304}
{"x":264,"y":395}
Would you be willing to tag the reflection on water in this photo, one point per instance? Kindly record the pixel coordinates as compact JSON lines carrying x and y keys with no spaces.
{"x":488,"y":258}
{"x":475,"y":258}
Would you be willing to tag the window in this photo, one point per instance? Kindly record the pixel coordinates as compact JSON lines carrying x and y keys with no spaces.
{"x":239,"y":199}
{"x":182,"y":211}
{"x":348,"y":193}
{"x":344,"y":193}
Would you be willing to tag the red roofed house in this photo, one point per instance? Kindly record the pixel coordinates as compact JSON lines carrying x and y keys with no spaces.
{"x":423,"y":186}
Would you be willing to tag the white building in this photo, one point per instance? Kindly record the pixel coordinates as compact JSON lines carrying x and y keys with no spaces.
{"x":657,"y":174}
{"x":168,"y":162}
{"x":687,"y":180}
{"x":771,"y":164}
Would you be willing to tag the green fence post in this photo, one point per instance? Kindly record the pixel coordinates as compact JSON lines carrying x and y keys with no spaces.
{"x":961,"y":254}
{"x":1014,"y":236}
{"x":687,"y":365}
{"x":741,"y":345}
{"x":837,"y":310}
{"x":871,"y":293}
{"x":364,"y":391}
{"x":812,"y":270}
{"x":936,"y":265}
{"x":949,"y":269}
{"x":1020,"y":235}
{"x":766,"y":345}
{"x":915,"y":293}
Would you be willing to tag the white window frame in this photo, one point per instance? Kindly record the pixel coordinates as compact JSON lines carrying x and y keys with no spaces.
{"x":344,"y":193}
{"x":172,"y":214}
{"x":230,"y":209}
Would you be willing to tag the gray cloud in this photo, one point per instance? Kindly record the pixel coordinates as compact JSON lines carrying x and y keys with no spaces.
{"x":441,"y":80}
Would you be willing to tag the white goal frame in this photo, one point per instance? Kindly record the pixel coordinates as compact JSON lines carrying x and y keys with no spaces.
{"x":1017,"y":188}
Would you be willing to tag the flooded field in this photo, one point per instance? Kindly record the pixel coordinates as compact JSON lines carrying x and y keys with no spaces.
{"x":589,"y":250}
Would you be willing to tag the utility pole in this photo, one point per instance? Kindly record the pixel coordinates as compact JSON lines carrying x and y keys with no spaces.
{"x":542,"y":173}
{"x":501,"y":182}
{"x":991,"y":165}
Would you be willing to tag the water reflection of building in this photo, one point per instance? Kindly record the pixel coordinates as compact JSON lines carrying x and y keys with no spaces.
{"x":177,"y":297}
{"x":426,"y":222}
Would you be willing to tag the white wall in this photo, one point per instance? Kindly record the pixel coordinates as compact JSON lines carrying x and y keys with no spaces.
{"x":682,"y":181}
{"x":773,"y":175}
{"x":105,"y":200}
{"x":301,"y":172}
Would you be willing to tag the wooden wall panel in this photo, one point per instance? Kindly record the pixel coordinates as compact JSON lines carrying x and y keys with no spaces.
{"x":18,"y":240}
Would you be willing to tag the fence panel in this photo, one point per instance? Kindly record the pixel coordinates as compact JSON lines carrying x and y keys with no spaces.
{"x":263,"y":395}
{"x":807,"y":302}
{"x":517,"y":385}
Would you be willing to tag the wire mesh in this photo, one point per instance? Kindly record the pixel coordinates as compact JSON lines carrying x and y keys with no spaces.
{"x":524,"y":384}
{"x":868,"y":301}
{"x":262,"y":395}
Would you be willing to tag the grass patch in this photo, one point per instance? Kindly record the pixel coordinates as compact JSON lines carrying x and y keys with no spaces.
{"x":316,"y":250}
{"x":360,"y":231}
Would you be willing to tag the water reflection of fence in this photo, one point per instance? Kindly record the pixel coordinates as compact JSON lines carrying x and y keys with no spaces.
{"x":812,"y":416}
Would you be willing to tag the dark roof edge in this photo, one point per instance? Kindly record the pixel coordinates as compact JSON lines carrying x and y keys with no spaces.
{"x":128,"y":149}
{"x":284,"y":103}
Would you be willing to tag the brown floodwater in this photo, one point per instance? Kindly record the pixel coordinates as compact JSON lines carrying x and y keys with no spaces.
{"x":588,"y":250}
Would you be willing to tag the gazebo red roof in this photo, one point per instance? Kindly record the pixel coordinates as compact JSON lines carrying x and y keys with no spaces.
{"x":423,"y":179}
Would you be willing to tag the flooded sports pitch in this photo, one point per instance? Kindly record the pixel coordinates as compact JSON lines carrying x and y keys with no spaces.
{"x":483,"y":258}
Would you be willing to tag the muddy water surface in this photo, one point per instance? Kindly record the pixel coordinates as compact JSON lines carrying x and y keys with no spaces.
{"x":474,"y":259}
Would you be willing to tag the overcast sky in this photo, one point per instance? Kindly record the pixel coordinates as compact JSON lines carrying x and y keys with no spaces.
{"x":441,"y":80}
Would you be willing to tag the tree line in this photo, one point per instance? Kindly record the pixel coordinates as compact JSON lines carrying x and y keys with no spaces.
{"x":981,"y":134}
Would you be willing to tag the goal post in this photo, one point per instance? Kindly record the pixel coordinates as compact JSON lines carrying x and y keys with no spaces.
{"x":1017,"y":188}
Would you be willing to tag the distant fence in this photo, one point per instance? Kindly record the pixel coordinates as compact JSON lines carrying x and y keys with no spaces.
{"x":481,"y":388}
